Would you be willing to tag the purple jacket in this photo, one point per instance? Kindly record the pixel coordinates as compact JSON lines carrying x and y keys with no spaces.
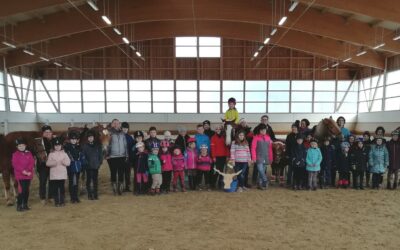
{"x":23,"y":161}
{"x":191,"y":158}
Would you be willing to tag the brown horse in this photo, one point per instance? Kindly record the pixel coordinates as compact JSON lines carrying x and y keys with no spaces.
{"x":7,"y":148}
{"x":279,"y":164}
{"x":327,"y":127}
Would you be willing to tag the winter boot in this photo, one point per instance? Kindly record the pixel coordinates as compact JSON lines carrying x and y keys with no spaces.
{"x":120,"y":188}
{"x":158,"y":191}
{"x":152,"y":191}
{"x":389,"y":185}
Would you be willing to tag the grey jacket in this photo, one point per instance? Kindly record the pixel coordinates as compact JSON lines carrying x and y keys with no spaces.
{"x":117,"y":146}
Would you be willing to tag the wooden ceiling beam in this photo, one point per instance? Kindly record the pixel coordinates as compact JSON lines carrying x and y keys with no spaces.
{"x":93,"y":40}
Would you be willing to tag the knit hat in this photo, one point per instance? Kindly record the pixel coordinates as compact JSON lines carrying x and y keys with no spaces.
{"x":167,"y":133}
{"x":90,"y":133}
{"x":73,"y":135}
{"x":46,"y":127}
{"x":139,"y":144}
{"x":313,"y":140}
{"x":124,"y":125}
{"x":395,"y":132}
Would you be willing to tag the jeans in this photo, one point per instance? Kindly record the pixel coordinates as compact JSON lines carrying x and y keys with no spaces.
{"x":241,"y":177}
{"x":312,"y":179}
{"x":262,"y":176}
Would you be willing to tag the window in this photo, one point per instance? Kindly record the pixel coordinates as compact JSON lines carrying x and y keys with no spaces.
{"x":117,"y":96}
{"x":278,"y":107}
{"x":93,"y":96}
{"x":206,"y":46}
{"x":140,"y":96}
{"x":70,"y":96}
{"x":210,"y":99}
{"x":392,"y":104}
{"x":393,"y":77}
{"x":163,"y":96}
{"x":186,"y":96}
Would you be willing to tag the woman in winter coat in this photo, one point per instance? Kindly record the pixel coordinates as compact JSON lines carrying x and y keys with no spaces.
{"x":261,"y":153}
{"x":219,"y":153}
{"x":393,"y":147}
{"x":378,"y":162}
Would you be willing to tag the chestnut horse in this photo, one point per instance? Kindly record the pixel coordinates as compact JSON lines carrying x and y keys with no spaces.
{"x":327,"y":127}
{"x":279,"y":163}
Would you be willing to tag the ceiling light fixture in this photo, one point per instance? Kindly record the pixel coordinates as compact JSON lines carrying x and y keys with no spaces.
{"x":282,"y":21}
{"x":28,"y":52}
{"x":93,"y":5}
{"x":267,"y":40}
{"x":293,"y":6}
{"x":68,"y":68}
{"x":347,"y":59}
{"x":138,"y":54}
{"x":9,"y":44}
{"x":379,"y":46}
{"x":44,"y":58}
{"x":132,"y":47}
{"x":125,"y":40}
{"x":116,"y":30}
{"x":274,"y":30}
{"x":260,"y":48}
{"x":361,"y":53}
{"x":396,"y":37}
{"x":106,"y":20}
{"x":335,"y":65}
{"x":255,"y":54}
{"x":325,"y":69}
{"x":58,"y":64}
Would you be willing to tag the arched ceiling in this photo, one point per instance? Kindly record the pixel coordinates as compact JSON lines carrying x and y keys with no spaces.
{"x":323,"y":33}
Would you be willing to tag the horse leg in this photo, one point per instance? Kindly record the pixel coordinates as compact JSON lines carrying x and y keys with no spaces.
{"x":6,"y":184}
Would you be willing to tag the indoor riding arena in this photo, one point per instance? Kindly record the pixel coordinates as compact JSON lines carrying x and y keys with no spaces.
{"x":199,"y":124}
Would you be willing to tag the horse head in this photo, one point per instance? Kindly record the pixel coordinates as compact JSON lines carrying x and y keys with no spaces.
{"x":279,"y":149}
{"x":327,"y":127}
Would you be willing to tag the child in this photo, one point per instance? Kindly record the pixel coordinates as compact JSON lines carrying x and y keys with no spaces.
{"x":379,"y":133}
{"x":232,"y":115}
{"x":93,"y":156}
{"x":178,"y":166}
{"x":219,"y":152}
{"x":352,"y":141}
{"x":393,"y":147}
{"x":167,"y":137}
{"x":313,"y":161}
{"x":343,"y":165}
{"x":299,"y":154}
{"x":240,"y":155}
{"x":359,"y":160}
{"x":155,"y":169}
{"x":307,"y":141}
{"x":378,"y":162}
{"x":182,"y":139}
{"x":166,"y":162}
{"x":153,"y":138}
{"x":74,"y":152}
{"x":140,"y":160}
{"x":204,"y":167}
{"x":23,"y":163}
{"x":328,"y":161}
{"x":58,"y":162}
{"x":261,"y":153}
{"x":201,"y":138}
{"x":191,"y":163}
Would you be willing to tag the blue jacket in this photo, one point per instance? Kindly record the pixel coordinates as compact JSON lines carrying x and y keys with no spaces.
{"x":345,"y":132}
{"x":313,"y":160}
{"x":378,"y":159}
{"x":200,"y":140}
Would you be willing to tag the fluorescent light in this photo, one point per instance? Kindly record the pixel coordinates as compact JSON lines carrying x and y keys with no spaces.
{"x":132,"y":47}
{"x":68,"y":68}
{"x":396,"y":38}
{"x":274,"y":30}
{"x":93,"y":5}
{"x":361,"y":53}
{"x":347,"y":59}
{"x":44,"y":58}
{"x":260,"y":48}
{"x":125,"y":40}
{"x":335,"y":65}
{"x":28,"y":52}
{"x":266,"y":40}
{"x":58,"y":64}
{"x":293,"y":6}
{"x":255,"y":54}
{"x":138,"y":54}
{"x":117,"y":31}
{"x":282,"y":21}
{"x":379,"y":46}
{"x":325,"y":69}
{"x":106,"y":20}
{"x":9,"y":45}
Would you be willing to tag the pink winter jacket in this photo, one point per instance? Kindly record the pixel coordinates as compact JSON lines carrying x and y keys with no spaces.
{"x":178,"y":162}
{"x":58,"y":161}
{"x":261,"y":149}
{"x":166,"y":162}
{"x":23,"y":161}
{"x":191,"y":158}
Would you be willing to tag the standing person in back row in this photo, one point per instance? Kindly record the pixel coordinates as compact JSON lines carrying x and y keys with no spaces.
{"x":117,"y":156}
{"x":129,"y":142}
{"x":270,"y":131}
{"x":207,"y":129}
{"x":93,"y":156}
{"x":393,"y":147}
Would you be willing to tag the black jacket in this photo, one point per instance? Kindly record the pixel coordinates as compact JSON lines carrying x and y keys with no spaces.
{"x":271,"y":133}
{"x":140,"y":163}
{"x":343,"y":164}
{"x":93,"y":155}
{"x":359,"y":158}
{"x":181,"y":142}
{"x":209,"y":133}
{"x":290,"y":144}
{"x":149,"y":141}
{"x":298,"y":156}
{"x":328,"y":156}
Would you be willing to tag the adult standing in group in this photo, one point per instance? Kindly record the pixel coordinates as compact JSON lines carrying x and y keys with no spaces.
{"x":207,"y":129}
{"x":270,"y":131}
{"x":129,"y":143}
{"x":340,"y":121}
{"x":117,"y":156}
{"x":43,"y":147}
{"x":305,"y":127}
{"x":291,"y":142}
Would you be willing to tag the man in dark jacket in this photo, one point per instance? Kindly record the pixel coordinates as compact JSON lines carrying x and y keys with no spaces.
{"x":129,"y":143}
{"x":207,"y":129}
{"x":393,"y":147}
{"x":358,"y":161}
{"x":298,"y":162}
{"x":181,"y":139}
{"x":270,"y":131}
{"x":290,"y":144}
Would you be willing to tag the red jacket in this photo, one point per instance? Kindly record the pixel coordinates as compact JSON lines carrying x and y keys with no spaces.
{"x":218,"y":147}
